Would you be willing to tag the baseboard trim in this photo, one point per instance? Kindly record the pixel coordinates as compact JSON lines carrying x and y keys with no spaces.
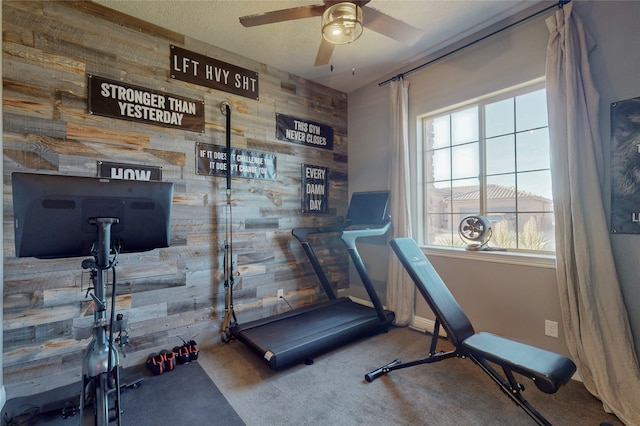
{"x":420,"y":324}
{"x":425,"y":325}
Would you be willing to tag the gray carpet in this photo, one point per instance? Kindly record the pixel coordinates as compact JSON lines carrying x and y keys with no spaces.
{"x":184,"y":396}
{"x":333,"y":391}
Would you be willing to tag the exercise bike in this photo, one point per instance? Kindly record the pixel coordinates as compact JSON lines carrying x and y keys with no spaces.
{"x":100,"y":366}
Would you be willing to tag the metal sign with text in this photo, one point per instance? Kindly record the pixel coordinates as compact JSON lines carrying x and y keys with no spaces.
{"x":211,"y":160}
{"x":115,"y":99}
{"x":128,"y":171}
{"x":202,"y":70}
{"x":297,"y":130}
{"x":625,"y":166}
{"x":315,"y":189}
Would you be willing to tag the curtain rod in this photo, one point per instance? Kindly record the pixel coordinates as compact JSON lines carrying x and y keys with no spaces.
{"x":419,"y":67}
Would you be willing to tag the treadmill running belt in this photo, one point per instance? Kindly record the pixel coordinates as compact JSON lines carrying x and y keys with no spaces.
{"x":301,"y":334}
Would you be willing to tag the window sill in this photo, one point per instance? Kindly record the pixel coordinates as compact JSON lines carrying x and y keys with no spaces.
{"x":522,"y":259}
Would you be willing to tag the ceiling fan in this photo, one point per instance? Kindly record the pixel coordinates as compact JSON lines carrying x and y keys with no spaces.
{"x":342,"y":23}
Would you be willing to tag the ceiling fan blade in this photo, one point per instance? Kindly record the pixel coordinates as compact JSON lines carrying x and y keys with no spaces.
{"x":324,"y":53}
{"x":282,"y":15}
{"x":390,"y":27}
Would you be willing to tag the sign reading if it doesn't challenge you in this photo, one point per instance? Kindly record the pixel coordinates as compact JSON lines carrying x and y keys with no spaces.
{"x":212,"y":160}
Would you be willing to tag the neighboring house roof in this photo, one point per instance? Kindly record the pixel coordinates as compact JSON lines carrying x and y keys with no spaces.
{"x":494,"y":192}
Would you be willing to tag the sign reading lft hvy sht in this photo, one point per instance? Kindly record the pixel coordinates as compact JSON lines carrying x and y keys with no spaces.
{"x":205,"y":71}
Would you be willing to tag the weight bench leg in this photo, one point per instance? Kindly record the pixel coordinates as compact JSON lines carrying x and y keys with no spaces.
{"x":396,"y":364}
{"x":512,"y":389}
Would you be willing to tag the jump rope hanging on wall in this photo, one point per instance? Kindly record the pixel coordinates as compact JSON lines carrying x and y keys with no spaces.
{"x":229,"y":276}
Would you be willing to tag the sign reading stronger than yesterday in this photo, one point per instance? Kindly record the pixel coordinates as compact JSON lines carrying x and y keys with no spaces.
{"x":115,"y":99}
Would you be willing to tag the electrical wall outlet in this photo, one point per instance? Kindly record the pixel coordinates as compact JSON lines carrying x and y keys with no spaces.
{"x":280,"y":293}
{"x":551,"y":328}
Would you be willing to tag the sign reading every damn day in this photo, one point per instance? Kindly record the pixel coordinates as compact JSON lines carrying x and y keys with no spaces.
{"x":205,"y":71}
{"x":212,"y":160}
{"x":315,"y":189}
{"x":110,"y":98}
{"x":296,"y":130}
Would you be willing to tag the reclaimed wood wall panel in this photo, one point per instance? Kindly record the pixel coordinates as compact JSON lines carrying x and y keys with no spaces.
{"x":49,"y":49}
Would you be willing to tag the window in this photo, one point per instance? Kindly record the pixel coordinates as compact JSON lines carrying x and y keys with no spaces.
{"x":490,"y":157}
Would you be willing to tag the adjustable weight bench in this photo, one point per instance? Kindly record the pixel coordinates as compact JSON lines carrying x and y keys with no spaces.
{"x":490,"y":352}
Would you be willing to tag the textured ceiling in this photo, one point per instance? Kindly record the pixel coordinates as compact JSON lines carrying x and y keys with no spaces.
{"x":292,"y":46}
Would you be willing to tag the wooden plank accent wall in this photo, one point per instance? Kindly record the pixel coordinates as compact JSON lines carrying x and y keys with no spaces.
{"x":48,"y":49}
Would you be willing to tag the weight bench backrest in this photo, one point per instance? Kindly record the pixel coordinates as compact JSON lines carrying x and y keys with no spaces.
{"x":434,"y":290}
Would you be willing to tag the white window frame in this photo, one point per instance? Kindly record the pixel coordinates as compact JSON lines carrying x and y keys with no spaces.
{"x":513,"y":256}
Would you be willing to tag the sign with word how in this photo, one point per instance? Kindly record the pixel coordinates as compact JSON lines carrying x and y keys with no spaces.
{"x":212,"y":160}
{"x":115,"y":99}
{"x":315,"y":189}
{"x":128,"y":171}
{"x":296,"y":130}
{"x":205,"y":71}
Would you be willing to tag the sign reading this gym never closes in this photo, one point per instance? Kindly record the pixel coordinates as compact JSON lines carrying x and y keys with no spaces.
{"x":305,"y":132}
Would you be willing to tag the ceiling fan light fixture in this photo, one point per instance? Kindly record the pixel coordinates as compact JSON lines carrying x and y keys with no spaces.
{"x":342,"y":23}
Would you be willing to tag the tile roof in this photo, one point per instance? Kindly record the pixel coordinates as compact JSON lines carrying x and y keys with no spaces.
{"x":494,"y":192}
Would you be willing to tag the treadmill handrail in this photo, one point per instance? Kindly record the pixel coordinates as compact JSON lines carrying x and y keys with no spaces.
{"x":348,"y":237}
{"x":302,"y":234}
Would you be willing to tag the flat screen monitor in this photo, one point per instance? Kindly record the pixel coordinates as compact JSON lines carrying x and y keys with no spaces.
{"x":52,"y":214}
{"x":368,"y":208}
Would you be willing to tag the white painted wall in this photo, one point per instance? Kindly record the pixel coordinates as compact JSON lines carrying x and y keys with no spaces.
{"x":517,"y":303}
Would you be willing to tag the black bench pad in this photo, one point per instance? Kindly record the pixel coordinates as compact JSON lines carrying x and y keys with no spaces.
{"x":548,"y":370}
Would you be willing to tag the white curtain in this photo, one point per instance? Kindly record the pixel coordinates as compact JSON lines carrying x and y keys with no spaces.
{"x":595,"y":319}
{"x":400,"y":288}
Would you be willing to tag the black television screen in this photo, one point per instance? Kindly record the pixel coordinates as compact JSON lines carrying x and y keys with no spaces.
{"x":368,"y":208}
{"x":52,"y":214}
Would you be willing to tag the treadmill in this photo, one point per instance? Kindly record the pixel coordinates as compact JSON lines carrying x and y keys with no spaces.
{"x":300,"y":334}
